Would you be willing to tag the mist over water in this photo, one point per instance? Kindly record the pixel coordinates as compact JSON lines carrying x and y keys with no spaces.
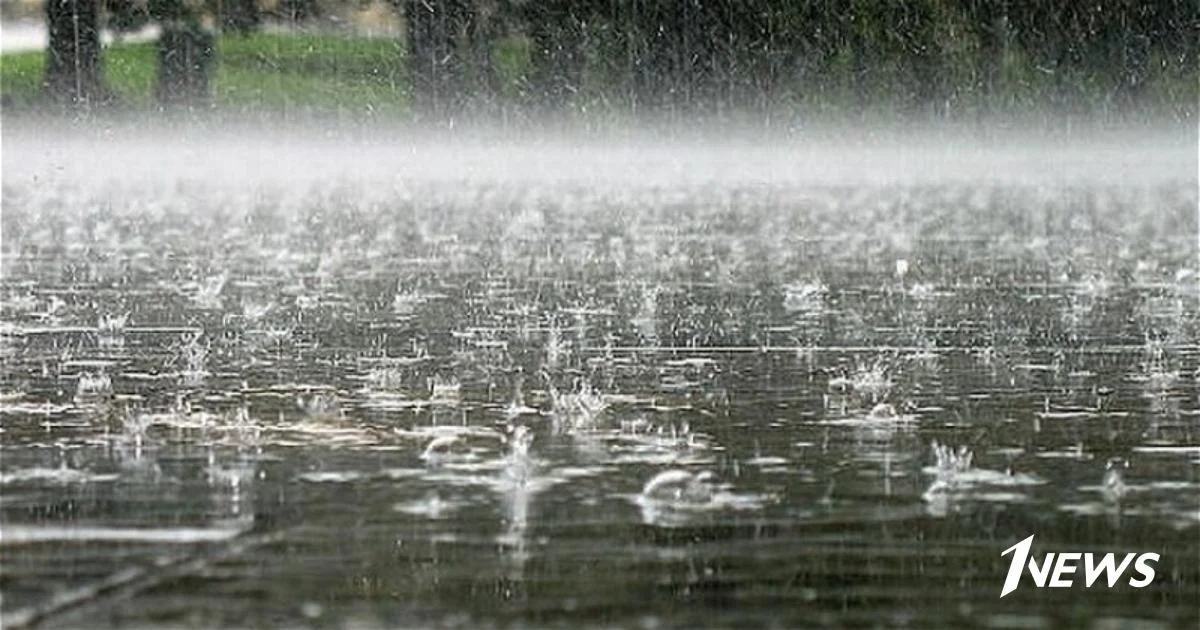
{"x":635,"y":156}
{"x":352,"y":378}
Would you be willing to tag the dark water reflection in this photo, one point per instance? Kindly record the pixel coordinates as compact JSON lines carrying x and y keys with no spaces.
{"x":218,"y":402}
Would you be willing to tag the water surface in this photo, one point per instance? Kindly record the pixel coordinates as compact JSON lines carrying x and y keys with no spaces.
{"x":223,"y":364}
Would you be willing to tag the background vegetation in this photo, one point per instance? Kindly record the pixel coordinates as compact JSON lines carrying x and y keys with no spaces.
{"x":658,"y":58}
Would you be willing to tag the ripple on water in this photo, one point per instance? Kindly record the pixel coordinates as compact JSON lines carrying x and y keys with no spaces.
{"x":677,"y":497}
{"x":62,"y":475}
{"x":682,"y":513}
{"x":977,"y":477}
{"x":332,"y":476}
{"x":43,"y":409}
{"x":24,"y":535}
{"x":431,"y":506}
{"x":770,"y":464}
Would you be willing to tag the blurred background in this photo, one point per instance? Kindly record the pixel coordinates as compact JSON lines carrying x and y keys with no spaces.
{"x":774,"y":61}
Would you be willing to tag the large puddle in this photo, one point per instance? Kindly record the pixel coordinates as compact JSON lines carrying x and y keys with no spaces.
{"x":431,"y":385}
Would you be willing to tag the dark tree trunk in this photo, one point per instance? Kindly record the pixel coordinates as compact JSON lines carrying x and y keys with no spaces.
{"x":652,"y":72}
{"x":73,"y":73}
{"x":298,"y":10}
{"x":557,"y":35}
{"x":991,"y":22}
{"x":240,"y":16}
{"x":435,"y":28}
{"x":185,"y":52}
{"x":125,"y":16}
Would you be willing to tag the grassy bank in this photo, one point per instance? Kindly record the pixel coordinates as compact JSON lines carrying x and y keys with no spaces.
{"x":275,"y":72}
{"x":297,"y":75}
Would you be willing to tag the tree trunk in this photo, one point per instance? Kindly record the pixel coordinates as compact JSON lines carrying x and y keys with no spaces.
{"x":435,"y":60}
{"x":483,"y":29}
{"x":73,"y":73}
{"x":556,"y":34}
{"x":240,"y":16}
{"x":185,"y":52}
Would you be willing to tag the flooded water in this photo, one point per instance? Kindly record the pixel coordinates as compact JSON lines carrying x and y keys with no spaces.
{"x":553,"y":386}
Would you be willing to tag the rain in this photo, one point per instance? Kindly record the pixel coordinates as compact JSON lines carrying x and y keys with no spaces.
{"x":484,"y":314}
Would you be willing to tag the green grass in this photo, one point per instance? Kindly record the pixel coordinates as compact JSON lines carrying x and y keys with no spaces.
{"x":129,"y":72}
{"x":292,"y":72}
{"x":21,"y":77}
{"x":357,"y":77}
